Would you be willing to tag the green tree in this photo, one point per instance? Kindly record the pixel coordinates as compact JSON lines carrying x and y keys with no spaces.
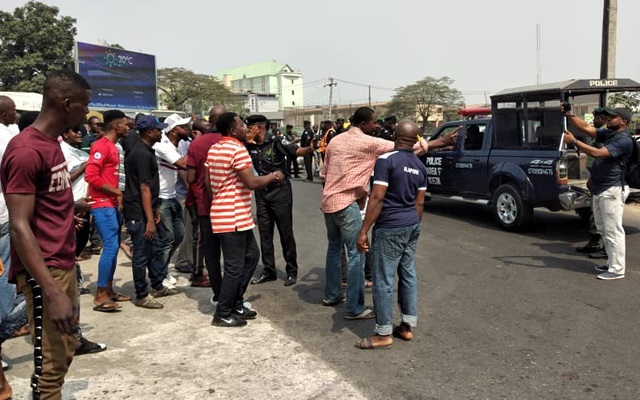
{"x":630,"y":100}
{"x":34,"y":40}
{"x":423,"y":97}
{"x":181,"y":89}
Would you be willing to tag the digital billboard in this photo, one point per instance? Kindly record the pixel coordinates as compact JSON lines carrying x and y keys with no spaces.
{"x":119,"y":79}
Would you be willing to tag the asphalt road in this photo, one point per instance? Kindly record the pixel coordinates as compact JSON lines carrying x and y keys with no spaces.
{"x":501,"y":315}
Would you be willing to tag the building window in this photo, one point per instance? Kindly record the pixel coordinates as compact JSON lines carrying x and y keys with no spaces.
{"x":292,"y":81}
{"x":293,"y":103}
{"x":293,"y":93}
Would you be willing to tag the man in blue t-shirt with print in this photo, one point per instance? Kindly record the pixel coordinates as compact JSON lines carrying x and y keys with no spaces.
{"x":607,"y":183}
{"x":395,"y":205}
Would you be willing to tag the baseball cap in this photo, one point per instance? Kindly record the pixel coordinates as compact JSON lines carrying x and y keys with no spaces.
{"x":174,"y":120}
{"x":620,"y":112}
{"x":147,"y":122}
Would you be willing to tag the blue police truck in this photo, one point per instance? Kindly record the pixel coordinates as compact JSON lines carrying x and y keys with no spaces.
{"x":515,"y":161}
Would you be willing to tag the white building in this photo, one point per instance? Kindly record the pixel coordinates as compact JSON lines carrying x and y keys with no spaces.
{"x":265,"y":80}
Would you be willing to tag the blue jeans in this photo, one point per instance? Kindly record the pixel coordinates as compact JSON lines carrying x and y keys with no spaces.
{"x":171,"y":228}
{"x":13,"y":309}
{"x":7,"y":290}
{"x":342,"y":230}
{"x":147,"y":255}
{"x":108,"y":221}
{"x":394,"y":249}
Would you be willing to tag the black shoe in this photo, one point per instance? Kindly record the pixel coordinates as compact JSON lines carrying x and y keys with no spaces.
{"x":93,"y":250}
{"x":297,"y":176}
{"x":309,"y":179}
{"x":291,"y":280}
{"x":263,"y":278}
{"x":599,"y":255}
{"x":228,"y":322}
{"x":84,"y":290}
{"x":589,"y":248}
{"x":245,"y":313}
{"x":88,"y":347}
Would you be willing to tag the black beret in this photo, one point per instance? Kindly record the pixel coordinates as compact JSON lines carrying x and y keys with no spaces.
{"x":255,"y":120}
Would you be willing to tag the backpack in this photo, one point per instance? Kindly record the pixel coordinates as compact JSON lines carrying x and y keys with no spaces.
{"x":632,"y":167}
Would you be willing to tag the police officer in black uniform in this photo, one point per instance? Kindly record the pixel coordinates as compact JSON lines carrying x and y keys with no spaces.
{"x":305,"y":141}
{"x":388,"y":128}
{"x":274,"y":203}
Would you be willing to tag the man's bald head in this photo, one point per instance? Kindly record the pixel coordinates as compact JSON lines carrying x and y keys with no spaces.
{"x":407,"y":131}
{"x":215,"y":113}
{"x":7,"y":110}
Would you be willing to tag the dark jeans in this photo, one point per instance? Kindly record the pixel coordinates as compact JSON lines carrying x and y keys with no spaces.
{"x":171,"y":228}
{"x":241,"y":255}
{"x":147,"y":254}
{"x":274,"y":207}
{"x":308,"y":160}
{"x":211,"y":253}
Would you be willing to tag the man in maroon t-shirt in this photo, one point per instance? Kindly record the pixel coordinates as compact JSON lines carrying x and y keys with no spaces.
{"x":39,"y":198}
{"x":196,"y":157}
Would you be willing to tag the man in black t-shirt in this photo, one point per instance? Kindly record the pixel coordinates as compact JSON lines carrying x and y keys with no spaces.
{"x":141,"y":214}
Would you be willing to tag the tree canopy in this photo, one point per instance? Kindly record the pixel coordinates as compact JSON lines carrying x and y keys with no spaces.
{"x":34,"y":40}
{"x":182,"y":89}
{"x":422,"y":98}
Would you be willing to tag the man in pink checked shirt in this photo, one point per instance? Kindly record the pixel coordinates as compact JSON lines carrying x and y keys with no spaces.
{"x":349,"y":160}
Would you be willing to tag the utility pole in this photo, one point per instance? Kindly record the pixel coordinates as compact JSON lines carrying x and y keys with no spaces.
{"x":608,"y":55}
{"x":331,"y":84}
{"x":609,"y":28}
{"x":369,"y":96}
{"x":539,"y":65}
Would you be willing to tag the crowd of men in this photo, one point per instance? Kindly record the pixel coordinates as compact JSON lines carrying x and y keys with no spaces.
{"x":183,"y":189}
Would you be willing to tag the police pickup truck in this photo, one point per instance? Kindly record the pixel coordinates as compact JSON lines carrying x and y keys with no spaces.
{"x":515,"y":161}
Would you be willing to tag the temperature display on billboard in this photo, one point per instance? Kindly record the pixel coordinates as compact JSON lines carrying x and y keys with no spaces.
{"x":119,"y":78}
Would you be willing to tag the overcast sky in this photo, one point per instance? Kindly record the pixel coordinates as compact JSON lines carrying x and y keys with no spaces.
{"x":484,"y":45}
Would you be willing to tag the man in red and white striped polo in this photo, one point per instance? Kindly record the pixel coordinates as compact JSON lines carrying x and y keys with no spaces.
{"x":230,"y":180}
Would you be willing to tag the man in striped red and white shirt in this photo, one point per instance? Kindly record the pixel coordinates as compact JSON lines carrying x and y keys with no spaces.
{"x":230,"y":180}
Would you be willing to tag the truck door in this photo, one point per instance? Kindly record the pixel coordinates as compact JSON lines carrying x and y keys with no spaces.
{"x":471,"y":165}
{"x":440,"y":162}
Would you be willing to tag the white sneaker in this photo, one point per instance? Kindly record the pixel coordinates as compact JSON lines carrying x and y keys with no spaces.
{"x":166,"y":283}
{"x":172,"y":279}
{"x":5,"y":365}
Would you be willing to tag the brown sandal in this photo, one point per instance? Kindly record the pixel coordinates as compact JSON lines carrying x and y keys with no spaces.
{"x":375,"y":342}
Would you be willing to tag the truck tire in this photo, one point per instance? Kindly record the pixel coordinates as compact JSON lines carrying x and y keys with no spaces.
{"x":509,"y":209}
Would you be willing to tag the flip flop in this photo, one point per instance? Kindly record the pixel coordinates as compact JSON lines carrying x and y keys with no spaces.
{"x":368,"y":344}
{"x":366,"y":314}
{"x":331,"y":303}
{"x":107,"y":307}
{"x":120,"y":297}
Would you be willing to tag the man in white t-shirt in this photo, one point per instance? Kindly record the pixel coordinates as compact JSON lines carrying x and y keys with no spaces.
{"x":171,"y":227}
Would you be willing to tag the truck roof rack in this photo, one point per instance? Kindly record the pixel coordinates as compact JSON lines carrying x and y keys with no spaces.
{"x":572,"y":86}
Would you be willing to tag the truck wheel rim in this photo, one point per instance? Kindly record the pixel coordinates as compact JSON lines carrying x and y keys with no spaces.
{"x":507,"y":208}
